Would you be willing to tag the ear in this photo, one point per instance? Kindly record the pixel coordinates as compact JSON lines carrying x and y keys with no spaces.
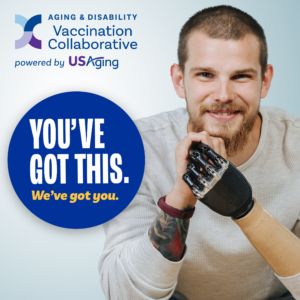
{"x":266,"y":83}
{"x":177,"y":79}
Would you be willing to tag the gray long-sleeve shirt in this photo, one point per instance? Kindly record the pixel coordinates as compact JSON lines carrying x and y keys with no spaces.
{"x":219,"y":262}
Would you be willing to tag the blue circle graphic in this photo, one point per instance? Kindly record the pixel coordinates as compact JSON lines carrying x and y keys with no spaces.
{"x":76,"y":160}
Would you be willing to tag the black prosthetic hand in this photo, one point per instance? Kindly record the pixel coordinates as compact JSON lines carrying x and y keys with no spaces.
{"x":217,"y":183}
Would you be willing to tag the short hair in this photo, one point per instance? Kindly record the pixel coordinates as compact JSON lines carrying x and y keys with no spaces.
{"x":222,"y":22}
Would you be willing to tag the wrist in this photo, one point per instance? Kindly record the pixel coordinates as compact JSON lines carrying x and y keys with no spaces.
{"x":244,"y":209}
{"x":179,"y":200}
{"x":253,"y":218}
{"x":174,"y":212}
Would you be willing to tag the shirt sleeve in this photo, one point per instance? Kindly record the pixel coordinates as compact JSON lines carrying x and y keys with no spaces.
{"x":292,"y":283}
{"x":130,"y":266}
{"x":296,"y":228}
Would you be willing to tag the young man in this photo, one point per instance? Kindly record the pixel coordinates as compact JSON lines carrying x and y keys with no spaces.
{"x":222,"y":74}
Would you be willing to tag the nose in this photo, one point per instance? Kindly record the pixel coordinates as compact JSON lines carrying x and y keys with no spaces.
{"x":223,"y":91}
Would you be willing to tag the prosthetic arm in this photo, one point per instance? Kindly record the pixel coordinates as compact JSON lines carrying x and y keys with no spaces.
{"x":219,"y":185}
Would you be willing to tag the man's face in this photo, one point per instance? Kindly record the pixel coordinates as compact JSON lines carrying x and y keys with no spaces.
{"x":222,"y":82}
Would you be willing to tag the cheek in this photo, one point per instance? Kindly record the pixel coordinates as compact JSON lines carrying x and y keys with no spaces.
{"x":196,"y":92}
{"x":249,"y":93}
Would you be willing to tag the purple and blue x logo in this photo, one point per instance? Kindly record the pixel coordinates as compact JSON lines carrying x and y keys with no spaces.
{"x":28,"y":37}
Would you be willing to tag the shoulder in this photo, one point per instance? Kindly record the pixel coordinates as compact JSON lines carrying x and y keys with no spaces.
{"x":161,"y":134}
{"x":283,"y":132}
{"x":280,"y":117}
{"x":163,"y":128}
{"x":161,"y":121}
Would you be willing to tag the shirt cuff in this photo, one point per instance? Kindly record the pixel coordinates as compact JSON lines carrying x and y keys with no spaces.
{"x":292,"y":283}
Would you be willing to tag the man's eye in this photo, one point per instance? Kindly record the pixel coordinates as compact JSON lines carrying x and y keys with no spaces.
{"x":206,"y":74}
{"x":239,"y":76}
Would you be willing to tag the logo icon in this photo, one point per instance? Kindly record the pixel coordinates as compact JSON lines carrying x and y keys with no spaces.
{"x":28,"y":37}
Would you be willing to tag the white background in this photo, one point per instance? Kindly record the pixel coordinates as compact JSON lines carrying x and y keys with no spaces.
{"x":40,"y":261}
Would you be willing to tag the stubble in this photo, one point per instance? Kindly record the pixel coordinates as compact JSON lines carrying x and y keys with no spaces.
{"x":235,"y":138}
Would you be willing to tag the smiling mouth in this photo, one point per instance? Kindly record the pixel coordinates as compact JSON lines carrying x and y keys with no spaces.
{"x":223,"y":115}
{"x":223,"y":112}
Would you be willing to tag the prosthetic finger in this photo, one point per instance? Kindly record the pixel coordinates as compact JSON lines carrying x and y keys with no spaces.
{"x":220,"y":185}
{"x":196,"y":187}
{"x":198,"y":158}
{"x":195,"y":172}
{"x":217,"y":159}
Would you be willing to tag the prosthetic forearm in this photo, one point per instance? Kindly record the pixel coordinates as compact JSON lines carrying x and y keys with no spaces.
{"x":275,"y":243}
{"x":220,"y":186}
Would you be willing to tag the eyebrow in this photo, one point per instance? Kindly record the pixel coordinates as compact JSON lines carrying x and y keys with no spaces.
{"x":212,"y":70}
{"x":249,"y":70}
{"x":202,"y":69}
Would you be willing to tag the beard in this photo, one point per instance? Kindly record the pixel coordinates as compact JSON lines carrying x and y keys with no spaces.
{"x":235,"y":136}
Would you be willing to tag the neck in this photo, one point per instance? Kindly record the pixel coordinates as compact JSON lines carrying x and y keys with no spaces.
{"x":253,"y":139}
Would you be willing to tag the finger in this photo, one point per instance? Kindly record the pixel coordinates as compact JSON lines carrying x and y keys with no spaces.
{"x":216,"y":145}
{"x":189,"y":139}
{"x":216,"y":148}
{"x":223,"y":151}
{"x":202,"y":136}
